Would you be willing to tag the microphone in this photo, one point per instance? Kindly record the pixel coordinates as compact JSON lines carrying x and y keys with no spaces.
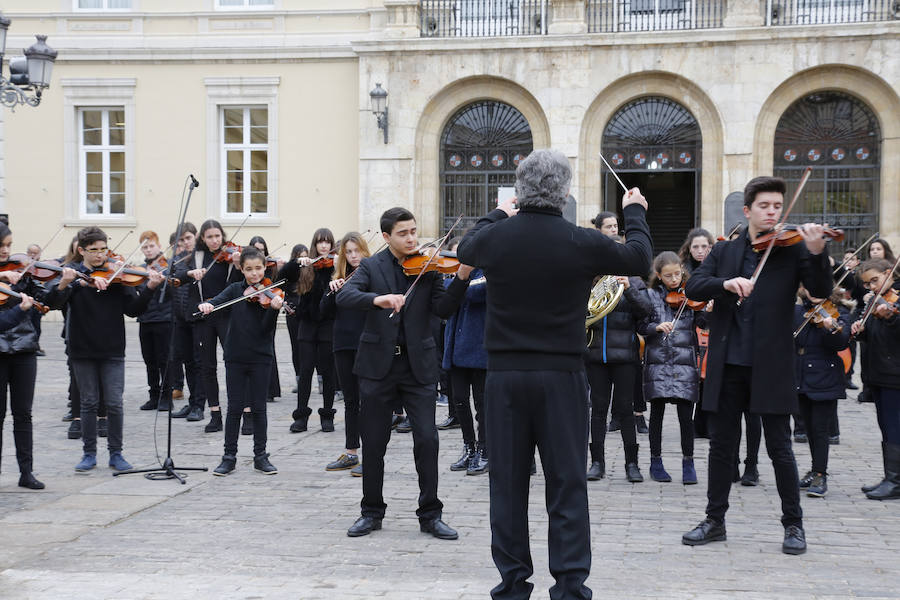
{"x":194,"y":182}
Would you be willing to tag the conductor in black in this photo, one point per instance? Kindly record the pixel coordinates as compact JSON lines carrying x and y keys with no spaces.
{"x":539,"y":270}
{"x":397,"y":359}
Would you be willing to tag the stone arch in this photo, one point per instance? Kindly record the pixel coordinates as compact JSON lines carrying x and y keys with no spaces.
{"x":440,"y":108}
{"x":678,"y":89}
{"x":868,"y":88}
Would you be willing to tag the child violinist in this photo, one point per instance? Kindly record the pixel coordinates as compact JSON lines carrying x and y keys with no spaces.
{"x":819,"y":378}
{"x":881,"y":332}
{"x":671,"y":375}
{"x":249,"y":353}
{"x":155,"y":331}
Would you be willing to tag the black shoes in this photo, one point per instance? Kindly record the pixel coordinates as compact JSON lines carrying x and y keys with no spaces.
{"x":183,"y":412}
{"x":633,"y":473}
{"x":794,"y":540}
{"x":874,"y":486}
{"x":262,"y":465}
{"x":751,"y":475}
{"x":449,"y":423}
{"x":194,"y":414}
{"x":27,"y":480}
{"x":357,"y":471}
{"x":327,"y":419}
{"x":478,"y":464}
{"x":641,"y":424}
{"x":404,"y":426}
{"x":597,"y":471}
{"x":613,"y":425}
{"x":68,"y":417}
{"x":364,"y":526}
{"x":709,"y":530}
{"x":818,"y":486}
{"x":438,"y":529}
{"x":800,"y":437}
{"x":215,"y":421}
{"x":806,"y":480}
{"x":247,"y":423}
{"x":299,"y":425}
{"x":851,"y":386}
{"x":889,"y":489}
{"x":74,"y":432}
{"x":462,"y":462}
{"x":344,"y":462}
{"x":396,"y":420}
{"x":226,"y":467}
{"x":150,"y":405}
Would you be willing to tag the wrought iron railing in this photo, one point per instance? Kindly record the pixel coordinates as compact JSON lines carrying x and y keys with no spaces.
{"x":483,"y":18}
{"x":822,"y":12}
{"x":606,"y":16}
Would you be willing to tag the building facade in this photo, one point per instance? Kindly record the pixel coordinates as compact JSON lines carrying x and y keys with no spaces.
{"x":267,"y":103}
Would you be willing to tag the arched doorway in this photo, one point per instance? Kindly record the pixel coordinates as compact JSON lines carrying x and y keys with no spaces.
{"x":839,"y":137}
{"x":481,"y":147}
{"x":654,"y":143}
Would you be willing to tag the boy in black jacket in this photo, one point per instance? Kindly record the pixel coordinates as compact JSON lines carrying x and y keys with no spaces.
{"x":95,"y":333}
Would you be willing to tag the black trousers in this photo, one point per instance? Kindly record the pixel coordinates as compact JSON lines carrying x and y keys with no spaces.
{"x":274,"y":381}
{"x":187,"y":369}
{"x":206,"y":332}
{"x":640,"y":403}
{"x":724,"y":427}
{"x":817,"y":415}
{"x":315,"y":356}
{"x":247,"y":385}
{"x":17,"y":375}
{"x":155,"y":339}
{"x":753,"y":425}
{"x":615,"y":380}
{"x":685,"y":410}
{"x":343,"y":362}
{"x":378,"y":397}
{"x":293,"y":327}
{"x":547,"y":409}
{"x":461,"y":379}
{"x":75,"y":395}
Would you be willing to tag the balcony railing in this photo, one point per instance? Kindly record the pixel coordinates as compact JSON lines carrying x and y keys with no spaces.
{"x":483,"y":18}
{"x":606,"y":16}
{"x":822,"y":12}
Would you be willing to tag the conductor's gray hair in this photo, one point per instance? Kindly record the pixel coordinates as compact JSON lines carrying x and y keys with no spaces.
{"x":542,"y":180}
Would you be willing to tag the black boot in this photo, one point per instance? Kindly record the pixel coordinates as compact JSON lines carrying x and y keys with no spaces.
{"x":226,"y":467}
{"x":246,"y":423}
{"x":152,"y":403}
{"x":597,"y":469}
{"x":751,"y":474}
{"x":632,"y":471}
{"x":874,"y":486}
{"x":215,"y":422}
{"x":478,"y":464}
{"x":27,"y":480}
{"x":327,"y":419}
{"x":463,"y":462}
{"x":74,"y":432}
{"x":890,"y":487}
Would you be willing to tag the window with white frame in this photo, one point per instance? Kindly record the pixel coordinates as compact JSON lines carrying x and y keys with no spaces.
{"x":102,"y":4}
{"x":101,"y":161}
{"x":244,"y":4}
{"x":245,"y":160}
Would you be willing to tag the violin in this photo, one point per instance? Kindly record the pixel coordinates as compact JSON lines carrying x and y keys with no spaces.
{"x":790,"y":235}
{"x":38,"y":270}
{"x":265,"y":298}
{"x":130,"y":276}
{"x":326,"y":261}
{"x":16,"y":262}
{"x":161,"y":265}
{"x":227,"y":252}
{"x":7,"y":292}
{"x":446,"y":263}
{"x":677,"y":298}
{"x":822,"y":311}
{"x":890,"y":298}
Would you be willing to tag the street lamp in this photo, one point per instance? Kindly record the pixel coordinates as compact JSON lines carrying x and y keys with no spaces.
{"x":378,"y":101}
{"x":29,"y":73}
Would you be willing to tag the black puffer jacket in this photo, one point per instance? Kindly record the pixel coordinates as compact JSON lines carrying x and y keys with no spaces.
{"x":670,"y":363}
{"x":820,"y":371}
{"x":614,"y":339}
{"x":22,"y":337}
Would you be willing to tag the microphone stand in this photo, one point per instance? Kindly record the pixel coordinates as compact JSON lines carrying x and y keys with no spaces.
{"x":167,"y":469}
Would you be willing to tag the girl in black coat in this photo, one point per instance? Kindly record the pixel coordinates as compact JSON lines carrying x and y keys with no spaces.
{"x":670,"y":365}
{"x":820,"y":382}
{"x":272,"y":268}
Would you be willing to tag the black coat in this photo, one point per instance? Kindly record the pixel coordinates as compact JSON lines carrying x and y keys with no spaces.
{"x":819,"y":369}
{"x":773,"y":388}
{"x":312,"y":325}
{"x":882,"y":355}
{"x":613,"y":338}
{"x":670,"y":363}
{"x":218,"y":276}
{"x":21,"y":337}
{"x":428,"y":301}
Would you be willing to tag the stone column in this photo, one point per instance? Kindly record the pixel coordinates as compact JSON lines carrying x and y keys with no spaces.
{"x":402,"y":18}
{"x":744,"y":13}
{"x":567,"y":17}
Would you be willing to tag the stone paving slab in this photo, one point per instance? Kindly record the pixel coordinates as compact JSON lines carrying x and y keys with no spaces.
{"x":283,"y":536}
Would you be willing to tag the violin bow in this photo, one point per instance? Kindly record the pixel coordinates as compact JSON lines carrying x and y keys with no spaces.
{"x":350,"y":276}
{"x":52,"y":237}
{"x":241,"y":226}
{"x":677,"y":315}
{"x":124,"y":237}
{"x":777,"y":227}
{"x":243,"y":297}
{"x":611,"y":170}
{"x":429,"y":261}
{"x":874,"y":301}
{"x":124,"y":265}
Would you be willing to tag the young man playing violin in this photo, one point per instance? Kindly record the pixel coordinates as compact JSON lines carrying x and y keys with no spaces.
{"x":397,"y":360}
{"x":750,"y":364}
{"x":155,"y":331}
{"x":95,"y":334}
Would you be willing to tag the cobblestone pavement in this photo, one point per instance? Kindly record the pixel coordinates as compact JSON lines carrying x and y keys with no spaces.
{"x":251,"y":536}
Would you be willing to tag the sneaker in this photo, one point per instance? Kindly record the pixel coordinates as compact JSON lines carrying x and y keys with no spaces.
{"x":74,"y":432}
{"x":215,"y":422}
{"x":357,"y":470}
{"x":818,"y":487}
{"x":247,"y":424}
{"x":118,"y":463}
{"x":226,"y":467}
{"x":641,"y":424}
{"x":88,"y":462}
{"x":442,"y":400}
{"x":102,"y":428}
{"x":806,"y":480}
{"x":794,"y":540}
{"x":262,"y":465}
{"x":404,"y":426}
{"x":449,"y":423}
{"x":344,"y":462}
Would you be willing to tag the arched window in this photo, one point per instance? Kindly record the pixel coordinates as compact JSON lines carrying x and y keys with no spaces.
{"x":481,"y":147}
{"x":654,"y":143}
{"x":838,"y":135}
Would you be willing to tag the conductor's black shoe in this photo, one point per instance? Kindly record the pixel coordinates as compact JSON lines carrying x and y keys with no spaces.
{"x":103,"y":427}
{"x":449,"y":423}
{"x":794,"y":540}
{"x":226,"y":467}
{"x":215,"y":422}
{"x":74,"y":432}
{"x":364,"y":526}
{"x":150,"y":405}
{"x":299,"y":425}
{"x":709,"y":530}
{"x":27,"y":480}
{"x":404,"y":426}
{"x":641,"y":424}
{"x":183,"y":412}
{"x":194,"y":414}
{"x":262,"y":465}
{"x":438,"y":529}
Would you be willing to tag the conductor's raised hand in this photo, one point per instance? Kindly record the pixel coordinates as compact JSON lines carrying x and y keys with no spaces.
{"x":508,"y":205}
{"x":393,"y":301}
{"x":634,"y":196}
